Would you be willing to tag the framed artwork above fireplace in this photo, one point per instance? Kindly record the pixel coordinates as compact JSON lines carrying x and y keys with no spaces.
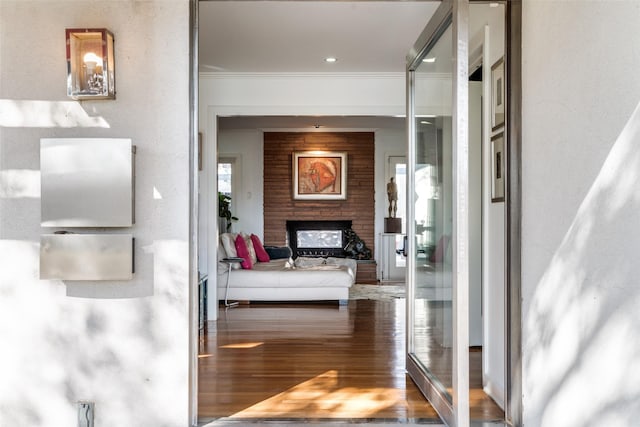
{"x":319,"y":175}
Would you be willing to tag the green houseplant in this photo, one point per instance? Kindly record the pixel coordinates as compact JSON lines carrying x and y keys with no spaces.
{"x":224,"y":211}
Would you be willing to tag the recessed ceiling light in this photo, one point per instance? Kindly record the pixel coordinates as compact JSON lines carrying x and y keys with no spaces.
{"x":424,"y":122}
{"x":429,"y":60}
{"x":330,"y":59}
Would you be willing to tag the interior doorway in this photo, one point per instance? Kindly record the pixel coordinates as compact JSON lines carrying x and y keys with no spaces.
{"x":393,"y":269}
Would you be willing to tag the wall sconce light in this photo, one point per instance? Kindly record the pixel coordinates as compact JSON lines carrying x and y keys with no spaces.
{"x":91,"y":72}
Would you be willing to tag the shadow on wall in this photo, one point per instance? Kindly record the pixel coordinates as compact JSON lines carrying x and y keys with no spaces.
{"x":46,"y":114}
{"x":103,"y":343}
{"x":581,"y":336}
{"x":113,"y":340}
{"x":19,"y":184}
{"x":25,"y":183}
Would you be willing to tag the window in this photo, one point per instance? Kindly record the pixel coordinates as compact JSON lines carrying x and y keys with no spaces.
{"x":225,"y":176}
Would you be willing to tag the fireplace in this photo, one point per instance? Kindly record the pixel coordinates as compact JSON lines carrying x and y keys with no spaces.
{"x":318,"y":238}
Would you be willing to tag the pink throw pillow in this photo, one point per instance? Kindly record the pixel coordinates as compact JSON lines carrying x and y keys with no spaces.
{"x":252,"y":251}
{"x":243,"y":252}
{"x":262,"y":255}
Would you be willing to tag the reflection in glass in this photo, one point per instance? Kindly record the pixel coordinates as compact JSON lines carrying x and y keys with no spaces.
{"x":433,"y":202}
{"x":401,"y":181}
{"x":319,"y":238}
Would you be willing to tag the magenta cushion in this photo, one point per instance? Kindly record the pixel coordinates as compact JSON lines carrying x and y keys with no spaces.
{"x":243,"y":252}
{"x":262,"y":255}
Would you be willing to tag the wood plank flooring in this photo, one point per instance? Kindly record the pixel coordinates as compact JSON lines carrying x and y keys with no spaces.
{"x":310,"y":361}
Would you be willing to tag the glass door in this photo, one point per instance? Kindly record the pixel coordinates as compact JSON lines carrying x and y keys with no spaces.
{"x":437,"y":217}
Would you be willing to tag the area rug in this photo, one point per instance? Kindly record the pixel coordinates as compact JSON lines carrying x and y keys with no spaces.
{"x":376,"y":292}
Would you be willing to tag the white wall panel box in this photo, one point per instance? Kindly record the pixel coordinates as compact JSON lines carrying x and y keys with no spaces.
{"x":86,"y":256}
{"x":87,"y":182}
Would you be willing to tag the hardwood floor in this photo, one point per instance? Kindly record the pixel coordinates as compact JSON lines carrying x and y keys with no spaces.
{"x":311,"y":361}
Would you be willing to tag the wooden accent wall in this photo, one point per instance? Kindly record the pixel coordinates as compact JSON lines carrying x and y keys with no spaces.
{"x":279,"y":205}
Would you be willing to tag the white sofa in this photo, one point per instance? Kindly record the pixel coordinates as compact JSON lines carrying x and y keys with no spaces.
{"x":305,"y":279}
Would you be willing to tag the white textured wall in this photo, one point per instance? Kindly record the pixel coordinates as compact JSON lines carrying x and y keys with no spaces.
{"x":581,"y":204}
{"x":123,"y":345}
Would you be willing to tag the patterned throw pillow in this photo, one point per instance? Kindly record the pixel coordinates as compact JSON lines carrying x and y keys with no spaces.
{"x":249,"y":243}
{"x":228,"y":241}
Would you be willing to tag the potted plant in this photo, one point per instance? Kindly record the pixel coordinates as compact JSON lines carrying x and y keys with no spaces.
{"x":224,"y":212}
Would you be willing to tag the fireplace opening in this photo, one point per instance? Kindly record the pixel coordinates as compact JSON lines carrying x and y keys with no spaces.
{"x":318,"y":238}
{"x":308,"y":239}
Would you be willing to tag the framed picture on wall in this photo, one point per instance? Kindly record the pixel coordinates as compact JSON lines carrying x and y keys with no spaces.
{"x":497,"y":94}
{"x":319,"y":175}
{"x":497,"y":167}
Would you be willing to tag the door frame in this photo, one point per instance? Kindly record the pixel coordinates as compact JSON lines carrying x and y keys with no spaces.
{"x":513,"y":214}
{"x":194,"y":153}
{"x":388,"y":256}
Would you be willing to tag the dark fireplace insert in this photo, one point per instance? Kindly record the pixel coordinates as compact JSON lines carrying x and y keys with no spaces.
{"x":318,"y":238}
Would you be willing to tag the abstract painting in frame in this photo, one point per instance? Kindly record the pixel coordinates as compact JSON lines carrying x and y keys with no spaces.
{"x":319,"y":175}
{"x":497,"y":94}
{"x":497,"y":167}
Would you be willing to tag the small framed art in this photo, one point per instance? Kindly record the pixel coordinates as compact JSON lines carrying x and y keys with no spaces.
{"x":497,"y":94}
{"x":497,"y":167}
{"x":319,"y":175}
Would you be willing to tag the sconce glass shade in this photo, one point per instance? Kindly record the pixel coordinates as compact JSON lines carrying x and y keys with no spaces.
{"x":91,"y":72}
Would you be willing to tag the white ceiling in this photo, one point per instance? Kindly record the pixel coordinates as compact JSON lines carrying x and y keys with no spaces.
{"x":296,"y":36}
